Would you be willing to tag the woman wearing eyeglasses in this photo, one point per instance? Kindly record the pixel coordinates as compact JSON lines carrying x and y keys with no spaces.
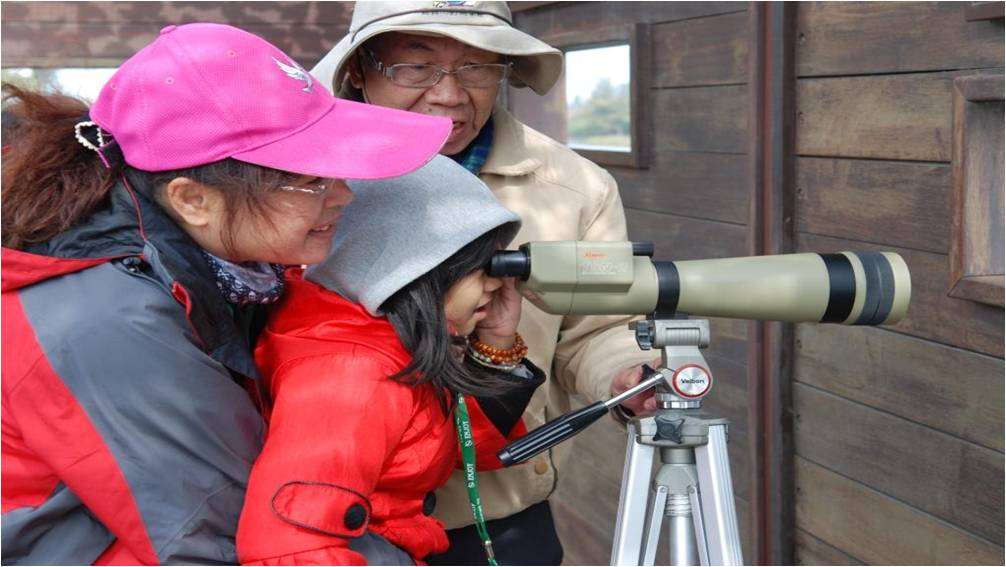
{"x":140,"y":237}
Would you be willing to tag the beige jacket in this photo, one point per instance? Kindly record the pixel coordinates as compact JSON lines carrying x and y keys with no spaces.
{"x":560,"y":196}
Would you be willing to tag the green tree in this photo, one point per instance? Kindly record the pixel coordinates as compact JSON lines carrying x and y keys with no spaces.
{"x":603,"y":118}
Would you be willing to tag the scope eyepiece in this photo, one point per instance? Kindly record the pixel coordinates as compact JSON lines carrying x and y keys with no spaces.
{"x":510,"y":264}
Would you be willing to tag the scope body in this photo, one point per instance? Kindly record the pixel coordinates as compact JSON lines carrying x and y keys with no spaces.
{"x":596,"y":278}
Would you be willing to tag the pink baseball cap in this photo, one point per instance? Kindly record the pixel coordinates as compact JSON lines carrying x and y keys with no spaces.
{"x":202,"y":92}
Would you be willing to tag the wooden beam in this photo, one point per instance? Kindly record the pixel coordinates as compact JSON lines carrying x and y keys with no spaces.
{"x":770,"y":144}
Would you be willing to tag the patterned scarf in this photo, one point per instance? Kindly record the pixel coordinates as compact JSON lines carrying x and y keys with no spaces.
{"x":249,"y":282}
{"x":475,"y":155}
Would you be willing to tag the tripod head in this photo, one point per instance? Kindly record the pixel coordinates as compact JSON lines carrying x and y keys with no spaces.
{"x":682,"y":380}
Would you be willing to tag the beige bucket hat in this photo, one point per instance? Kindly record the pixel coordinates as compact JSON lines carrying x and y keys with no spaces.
{"x":486,"y":25}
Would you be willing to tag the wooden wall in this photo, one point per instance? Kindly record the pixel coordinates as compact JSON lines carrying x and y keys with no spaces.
{"x":898,"y":431}
{"x":691,"y":202}
{"x":104,"y":34}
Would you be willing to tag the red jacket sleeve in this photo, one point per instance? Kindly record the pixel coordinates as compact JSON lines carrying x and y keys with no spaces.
{"x":308,"y":491}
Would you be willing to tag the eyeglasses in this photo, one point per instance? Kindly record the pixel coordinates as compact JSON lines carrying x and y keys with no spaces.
{"x":312,"y":189}
{"x":479,"y":76}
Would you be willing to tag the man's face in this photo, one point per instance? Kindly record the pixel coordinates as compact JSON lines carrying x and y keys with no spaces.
{"x":469,"y":108}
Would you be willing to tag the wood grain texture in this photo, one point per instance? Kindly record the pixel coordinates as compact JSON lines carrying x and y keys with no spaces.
{"x":685,"y":238}
{"x":896,"y":203}
{"x":853,"y":38}
{"x":904,"y":117}
{"x":977,"y":246}
{"x":878,"y":529}
{"x":103,"y":34}
{"x":931,"y":313}
{"x":702,"y":119}
{"x":706,"y":51}
{"x":235,"y":13}
{"x":952,"y":479}
{"x":108,"y":45}
{"x":566,"y":17}
{"x":945,"y":388}
{"x":811,"y":551}
{"x":694,"y":184}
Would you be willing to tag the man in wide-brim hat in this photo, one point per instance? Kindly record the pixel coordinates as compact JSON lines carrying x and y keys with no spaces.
{"x":451,"y":59}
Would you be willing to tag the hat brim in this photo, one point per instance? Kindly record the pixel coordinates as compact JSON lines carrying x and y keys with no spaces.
{"x":538,"y":67}
{"x":356,"y":141}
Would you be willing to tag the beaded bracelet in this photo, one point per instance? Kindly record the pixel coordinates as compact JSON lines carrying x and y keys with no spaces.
{"x":494,"y":355}
{"x":482,"y":360}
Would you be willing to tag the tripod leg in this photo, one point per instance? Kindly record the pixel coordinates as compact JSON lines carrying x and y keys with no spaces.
{"x":626,"y":548}
{"x":658,"y":505}
{"x":717,"y":497}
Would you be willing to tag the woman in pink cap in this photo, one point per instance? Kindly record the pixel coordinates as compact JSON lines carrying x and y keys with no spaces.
{"x":140,"y":238}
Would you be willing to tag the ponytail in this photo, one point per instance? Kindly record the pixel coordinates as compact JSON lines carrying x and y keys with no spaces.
{"x":49,"y":181}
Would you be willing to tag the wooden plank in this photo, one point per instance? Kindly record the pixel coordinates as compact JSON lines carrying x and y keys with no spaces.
{"x":702,"y":119}
{"x":931,"y":313}
{"x":905,"y":117}
{"x":852,"y":38}
{"x":945,"y":388}
{"x":683,"y":238}
{"x":696,"y":184}
{"x":108,"y":45}
{"x":566,"y":17}
{"x":705,"y":51}
{"x":878,"y":529}
{"x":885,"y":202}
{"x":978,"y":11}
{"x":163,"y":13}
{"x":952,"y":479}
{"x":811,"y":551}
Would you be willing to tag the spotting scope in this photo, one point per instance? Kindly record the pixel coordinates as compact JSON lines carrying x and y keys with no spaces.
{"x":597,"y":278}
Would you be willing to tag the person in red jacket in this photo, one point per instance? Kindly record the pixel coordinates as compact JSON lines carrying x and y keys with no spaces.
{"x":140,"y":235}
{"x":366,"y":359}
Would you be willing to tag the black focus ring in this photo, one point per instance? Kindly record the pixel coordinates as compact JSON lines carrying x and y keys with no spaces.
{"x":841,"y":288}
{"x":668,"y":287}
{"x":879,"y":288}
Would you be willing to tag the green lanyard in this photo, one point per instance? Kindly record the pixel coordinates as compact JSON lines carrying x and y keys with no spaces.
{"x":463,"y":424}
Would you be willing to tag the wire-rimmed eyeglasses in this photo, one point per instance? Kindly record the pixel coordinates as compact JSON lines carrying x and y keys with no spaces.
{"x":311,"y":189}
{"x":421,"y":75}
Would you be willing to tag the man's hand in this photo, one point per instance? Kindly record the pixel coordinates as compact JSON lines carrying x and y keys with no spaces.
{"x":640,"y":404}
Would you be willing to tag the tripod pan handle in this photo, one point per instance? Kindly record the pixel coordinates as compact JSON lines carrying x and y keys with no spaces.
{"x":550,"y":434}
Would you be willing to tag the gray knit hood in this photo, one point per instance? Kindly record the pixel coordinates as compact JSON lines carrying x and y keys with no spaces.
{"x":396,"y":230}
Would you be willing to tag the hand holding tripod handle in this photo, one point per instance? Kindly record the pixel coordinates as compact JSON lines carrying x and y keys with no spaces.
{"x":558,"y":430}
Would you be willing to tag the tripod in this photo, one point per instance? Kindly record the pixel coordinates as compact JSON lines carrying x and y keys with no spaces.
{"x":692,"y":488}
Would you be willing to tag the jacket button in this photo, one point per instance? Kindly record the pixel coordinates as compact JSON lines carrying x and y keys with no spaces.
{"x":541,"y":467}
{"x":355,"y":516}
{"x":429,"y":503}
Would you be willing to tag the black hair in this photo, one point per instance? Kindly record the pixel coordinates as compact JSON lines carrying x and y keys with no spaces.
{"x":417,"y":313}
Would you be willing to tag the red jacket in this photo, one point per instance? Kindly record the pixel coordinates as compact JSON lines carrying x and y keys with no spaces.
{"x":348,"y":450}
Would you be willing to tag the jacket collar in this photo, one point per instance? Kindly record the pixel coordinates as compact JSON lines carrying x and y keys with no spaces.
{"x":509,"y":155}
{"x":132,"y":225}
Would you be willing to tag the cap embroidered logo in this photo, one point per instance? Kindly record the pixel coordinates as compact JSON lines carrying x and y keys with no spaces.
{"x":297,"y":72}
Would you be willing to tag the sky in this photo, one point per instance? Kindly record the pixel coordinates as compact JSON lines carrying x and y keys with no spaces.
{"x":584,"y":68}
